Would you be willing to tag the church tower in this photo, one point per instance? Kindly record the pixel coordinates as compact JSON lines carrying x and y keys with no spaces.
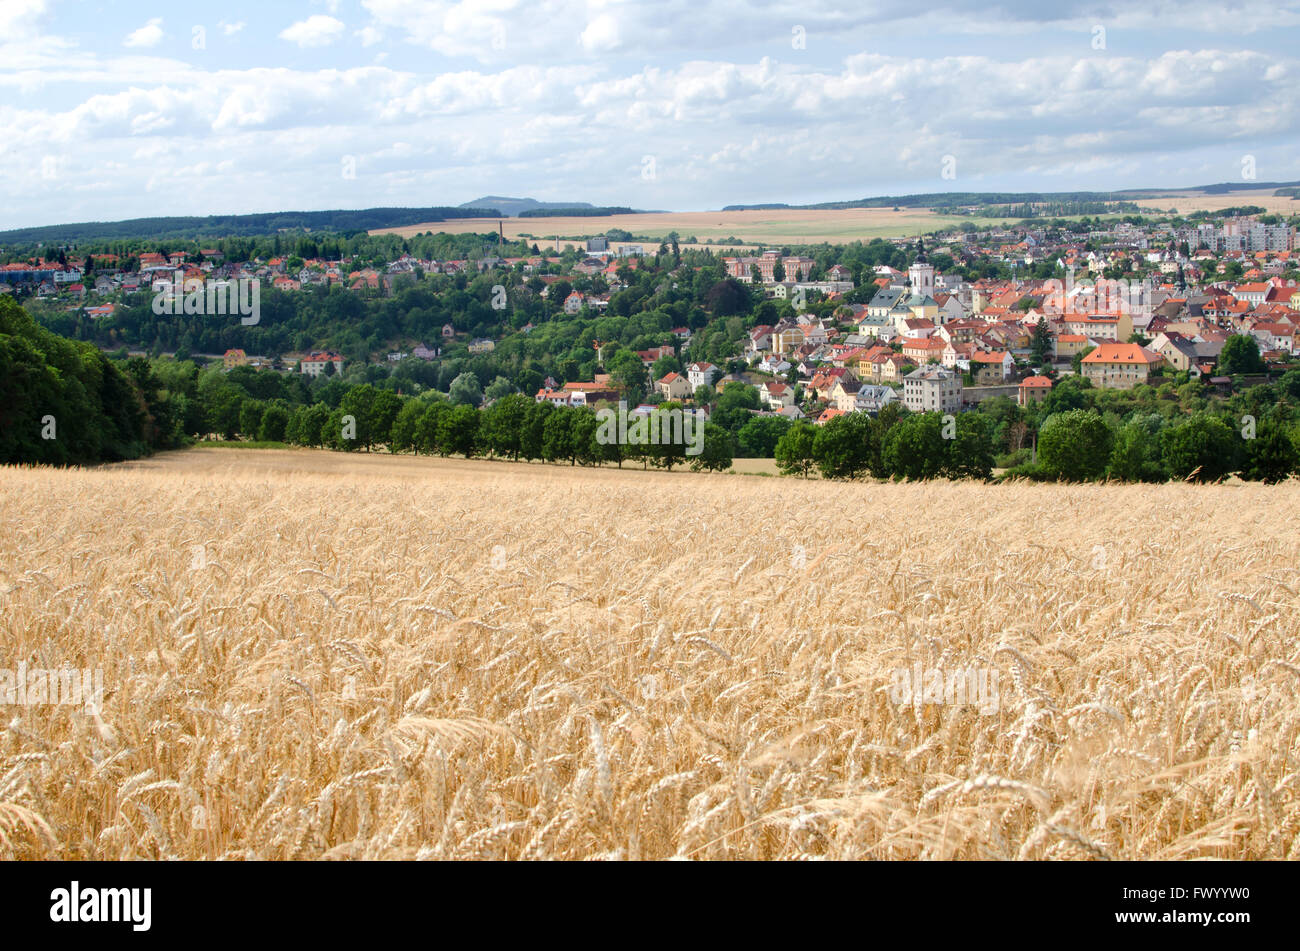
{"x":921,"y":274}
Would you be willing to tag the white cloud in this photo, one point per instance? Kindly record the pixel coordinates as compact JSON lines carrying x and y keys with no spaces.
{"x":601,"y":34}
{"x":583,"y":89}
{"x":150,"y":34}
{"x":18,"y":18}
{"x":316,"y":30}
{"x":230,"y":29}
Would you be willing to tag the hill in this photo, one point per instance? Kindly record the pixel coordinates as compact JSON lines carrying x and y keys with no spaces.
{"x":983,"y":199}
{"x":225,"y":226}
{"x":511,"y":207}
{"x":64,"y":402}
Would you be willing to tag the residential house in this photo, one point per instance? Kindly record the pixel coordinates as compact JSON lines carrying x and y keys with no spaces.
{"x":871,"y":398}
{"x":314,"y":363}
{"x":932,"y":389}
{"x":1067,"y":345}
{"x":701,"y":374}
{"x":879,"y":326}
{"x":1120,"y":365}
{"x":844,"y":394}
{"x":1033,"y":389}
{"x":777,"y":395}
{"x":775,"y":365}
{"x":1275,"y":336}
{"x":1116,"y":327}
{"x":674,"y":386}
{"x":786,"y":337}
{"x":921,"y":350}
{"x":991,"y":368}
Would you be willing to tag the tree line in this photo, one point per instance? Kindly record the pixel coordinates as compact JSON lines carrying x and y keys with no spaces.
{"x":512,"y":427}
{"x":65,"y":403}
{"x":1074,"y":445}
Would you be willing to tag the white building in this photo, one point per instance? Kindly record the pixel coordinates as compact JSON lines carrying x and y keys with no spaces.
{"x":932,"y":389}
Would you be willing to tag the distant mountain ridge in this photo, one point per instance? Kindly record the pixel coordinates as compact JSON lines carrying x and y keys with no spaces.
{"x":940,"y":199}
{"x":221,"y":226}
{"x":511,"y":207}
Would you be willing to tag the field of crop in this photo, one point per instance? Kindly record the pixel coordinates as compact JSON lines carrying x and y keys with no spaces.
{"x":313,"y":655}
{"x":1186,"y":203}
{"x":806,"y":226}
{"x":779,"y":226}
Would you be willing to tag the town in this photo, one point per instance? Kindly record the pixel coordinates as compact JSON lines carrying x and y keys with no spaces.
{"x":936,"y":324}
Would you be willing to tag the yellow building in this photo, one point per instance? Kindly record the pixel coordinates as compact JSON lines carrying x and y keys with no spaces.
{"x":1120,"y":366}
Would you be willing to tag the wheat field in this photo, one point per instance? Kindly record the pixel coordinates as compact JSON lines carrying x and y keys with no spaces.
{"x":316,"y":656}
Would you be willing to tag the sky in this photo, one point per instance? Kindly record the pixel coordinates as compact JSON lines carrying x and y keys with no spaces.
{"x":138,"y":109}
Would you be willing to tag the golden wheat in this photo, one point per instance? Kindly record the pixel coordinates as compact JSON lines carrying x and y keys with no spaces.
{"x":311,"y":655}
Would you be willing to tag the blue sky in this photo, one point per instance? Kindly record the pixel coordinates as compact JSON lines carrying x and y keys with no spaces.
{"x":132,"y":109}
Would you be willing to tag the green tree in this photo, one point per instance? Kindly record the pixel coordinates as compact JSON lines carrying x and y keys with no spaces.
{"x":665,"y":365}
{"x":736,"y":405}
{"x":1240,"y":354}
{"x":757,"y":439}
{"x":499,"y":388}
{"x":532,"y":442}
{"x":1070,"y":393}
{"x":465,"y":389}
{"x":383,"y":413}
{"x":794,"y":451}
{"x":842,"y":447}
{"x":1271,"y":456}
{"x":403,"y":435}
{"x":275,"y":421}
{"x":1075,"y":445}
{"x":719,"y":450}
{"x":627,"y":372}
{"x":458,"y":430}
{"x":306,"y":423}
{"x":502,"y":425}
{"x":250,"y":418}
{"x":557,"y":436}
{"x":428,"y":428}
{"x":670,"y":450}
{"x":914,"y":448}
{"x":1135,"y":456}
{"x":586,"y":450}
{"x":1040,"y":346}
{"x":1200,"y":449}
{"x":971,"y":451}
{"x":340,"y":431}
{"x":881,"y":424}
{"x":358,"y":403}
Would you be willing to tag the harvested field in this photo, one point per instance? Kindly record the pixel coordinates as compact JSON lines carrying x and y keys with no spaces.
{"x":780,"y":226}
{"x":806,"y":226}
